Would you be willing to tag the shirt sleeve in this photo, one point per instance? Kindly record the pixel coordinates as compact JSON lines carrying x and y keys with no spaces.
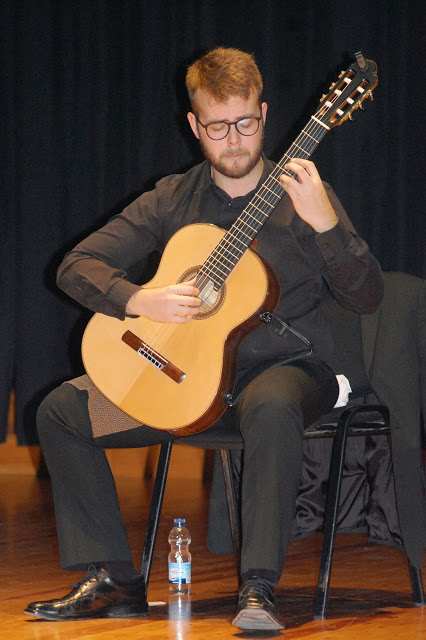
{"x":352,"y":273}
{"x":94,"y":273}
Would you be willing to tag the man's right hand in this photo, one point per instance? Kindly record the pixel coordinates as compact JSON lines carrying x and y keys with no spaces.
{"x":175,"y":303}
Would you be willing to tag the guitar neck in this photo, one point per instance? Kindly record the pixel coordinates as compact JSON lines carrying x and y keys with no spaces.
{"x":235,"y":242}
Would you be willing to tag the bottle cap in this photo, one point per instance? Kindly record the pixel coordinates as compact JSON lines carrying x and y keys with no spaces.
{"x":179,"y":522}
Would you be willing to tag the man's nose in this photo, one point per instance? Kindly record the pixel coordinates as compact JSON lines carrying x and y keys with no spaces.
{"x":233,"y":136}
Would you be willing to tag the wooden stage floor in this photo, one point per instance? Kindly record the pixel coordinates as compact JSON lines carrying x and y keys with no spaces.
{"x":370,"y":594}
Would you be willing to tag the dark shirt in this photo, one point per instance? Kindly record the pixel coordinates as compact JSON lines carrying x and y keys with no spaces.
{"x":308,"y":265}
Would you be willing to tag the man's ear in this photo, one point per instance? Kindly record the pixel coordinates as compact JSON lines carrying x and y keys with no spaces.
{"x":264,"y":109}
{"x":193,"y":124}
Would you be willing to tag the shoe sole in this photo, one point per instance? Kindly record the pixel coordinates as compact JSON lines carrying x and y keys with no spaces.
{"x":256,"y":620}
{"x":117,"y":613}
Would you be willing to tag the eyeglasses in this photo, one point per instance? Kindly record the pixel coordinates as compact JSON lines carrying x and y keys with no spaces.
{"x":219,"y":130}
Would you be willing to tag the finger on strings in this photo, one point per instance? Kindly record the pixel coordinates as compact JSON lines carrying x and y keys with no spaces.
{"x":307,"y":165}
{"x":187,"y":290}
{"x":192,"y":285}
{"x":297,"y":174}
{"x":194,"y":302}
{"x":186,"y":301}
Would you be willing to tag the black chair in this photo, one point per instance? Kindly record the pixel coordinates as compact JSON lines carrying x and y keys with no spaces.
{"x":358,"y":421}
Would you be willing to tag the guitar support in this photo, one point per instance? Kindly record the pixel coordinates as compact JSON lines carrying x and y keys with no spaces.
{"x":279,"y":327}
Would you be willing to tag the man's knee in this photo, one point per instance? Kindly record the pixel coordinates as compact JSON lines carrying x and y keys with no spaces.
{"x":276,"y":422}
{"x":273,"y":393}
{"x":280,"y":399}
{"x":64,"y":407}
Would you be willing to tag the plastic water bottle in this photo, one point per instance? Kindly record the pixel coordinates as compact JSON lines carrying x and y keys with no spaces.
{"x":179,"y":557}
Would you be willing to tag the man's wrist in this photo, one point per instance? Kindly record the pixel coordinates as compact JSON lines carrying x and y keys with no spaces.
{"x":133,"y":306}
{"x":326,"y":226}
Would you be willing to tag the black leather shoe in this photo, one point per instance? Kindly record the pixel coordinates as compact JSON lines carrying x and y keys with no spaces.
{"x":256,"y":607}
{"x":96,"y":596}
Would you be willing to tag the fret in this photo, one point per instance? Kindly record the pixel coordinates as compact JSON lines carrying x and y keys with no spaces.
{"x":312,"y":137}
{"x":217,"y":260}
{"x":285,"y":171}
{"x":247,"y":214}
{"x":243,"y":232}
{"x":270,"y":204}
{"x":320,"y":123}
{"x":253,"y":217}
{"x":299,"y":147}
{"x":224,"y":257}
{"x":215,"y":269}
{"x":217,"y":275}
{"x":231,"y":239}
{"x":209,"y":276}
{"x":281,"y":166}
{"x":308,"y":144}
{"x":271,"y":177}
{"x":231,"y":256}
{"x":265,"y":186}
{"x":251,"y":204}
{"x":241,"y":221}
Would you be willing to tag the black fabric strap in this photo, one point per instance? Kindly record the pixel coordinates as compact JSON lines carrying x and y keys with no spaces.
{"x":279,"y":327}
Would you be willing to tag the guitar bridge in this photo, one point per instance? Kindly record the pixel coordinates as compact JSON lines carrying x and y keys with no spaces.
{"x":153,"y":357}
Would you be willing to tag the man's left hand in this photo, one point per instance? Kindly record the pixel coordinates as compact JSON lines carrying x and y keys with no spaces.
{"x":308,"y":195}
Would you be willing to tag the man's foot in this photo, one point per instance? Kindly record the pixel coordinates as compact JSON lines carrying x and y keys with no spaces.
{"x":96,"y":596}
{"x":256,"y":607}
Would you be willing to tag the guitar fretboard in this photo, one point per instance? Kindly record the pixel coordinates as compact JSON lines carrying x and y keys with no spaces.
{"x":235,"y":242}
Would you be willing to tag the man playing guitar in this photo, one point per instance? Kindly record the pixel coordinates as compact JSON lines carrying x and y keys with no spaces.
{"x":312,"y":249}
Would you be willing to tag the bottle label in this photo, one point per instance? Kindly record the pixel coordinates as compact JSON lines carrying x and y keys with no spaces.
{"x":180,"y":572}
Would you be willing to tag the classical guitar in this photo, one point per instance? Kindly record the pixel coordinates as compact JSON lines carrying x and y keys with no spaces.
{"x":175,"y":377}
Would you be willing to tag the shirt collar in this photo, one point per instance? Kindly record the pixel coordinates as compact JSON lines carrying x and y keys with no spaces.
{"x":239,"y":201}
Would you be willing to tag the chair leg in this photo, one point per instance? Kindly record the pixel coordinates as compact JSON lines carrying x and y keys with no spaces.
{"x":416,"y":585}
{"x":155,"y":509}
{"x":234,"y":520}
{"x":330,"y":517}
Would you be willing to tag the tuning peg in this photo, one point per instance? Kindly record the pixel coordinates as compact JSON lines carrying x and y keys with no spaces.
{"x":370,"y":95}
{"x":360,"y":106}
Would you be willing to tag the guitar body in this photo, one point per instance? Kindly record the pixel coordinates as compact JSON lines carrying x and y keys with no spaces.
{"x":177,"y":379}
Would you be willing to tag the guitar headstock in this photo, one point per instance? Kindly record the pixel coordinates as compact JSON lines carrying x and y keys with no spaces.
{"x":348,"y":92}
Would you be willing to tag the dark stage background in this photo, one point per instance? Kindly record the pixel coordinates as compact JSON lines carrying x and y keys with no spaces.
{"x":95,"y":112}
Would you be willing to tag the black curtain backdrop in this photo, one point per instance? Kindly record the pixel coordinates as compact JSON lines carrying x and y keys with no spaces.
{"x":94,"y":112}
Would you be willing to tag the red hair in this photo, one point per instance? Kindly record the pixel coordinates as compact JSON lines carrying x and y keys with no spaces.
{"x":224,"y":72}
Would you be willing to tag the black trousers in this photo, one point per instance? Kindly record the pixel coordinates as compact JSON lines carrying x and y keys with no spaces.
{"x":271,"y":413}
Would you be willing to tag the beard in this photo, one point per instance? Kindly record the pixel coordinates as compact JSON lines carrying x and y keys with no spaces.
{"x":237,"y":163}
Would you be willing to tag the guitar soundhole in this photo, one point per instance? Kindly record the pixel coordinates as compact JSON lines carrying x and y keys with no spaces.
{"x":212,"y":299}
